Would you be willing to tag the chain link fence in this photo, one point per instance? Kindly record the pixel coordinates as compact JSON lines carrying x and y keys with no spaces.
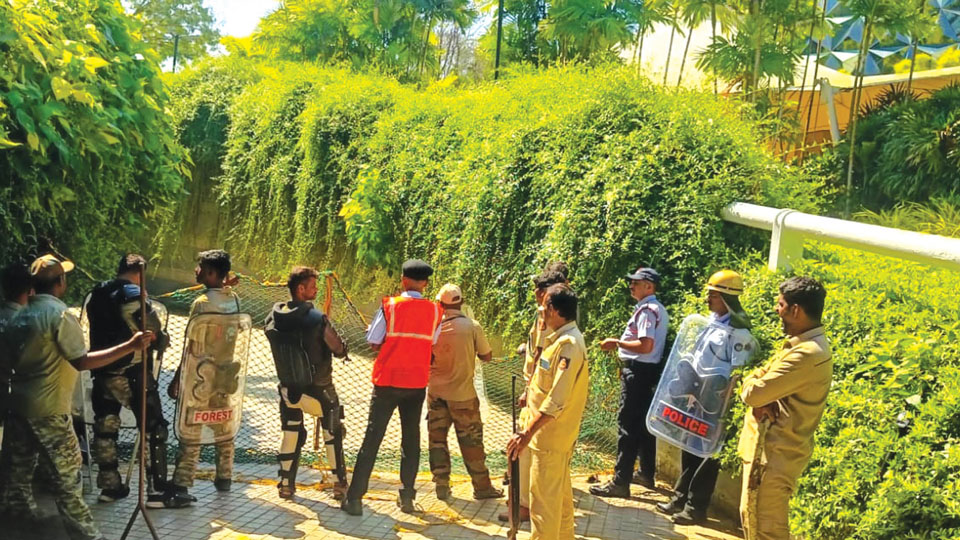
{"x":260,"y":431}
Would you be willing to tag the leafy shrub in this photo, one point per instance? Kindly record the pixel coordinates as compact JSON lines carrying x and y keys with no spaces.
{"x":87,"y":151}
{"x":907,"y":149}
{"x":939,"y":216}
{"x":490,"y":182}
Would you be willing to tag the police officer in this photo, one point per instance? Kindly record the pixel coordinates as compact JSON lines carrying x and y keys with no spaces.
{"x":786,"y":397}
{"x":48,"y":350}
{"x":114,"y":311}
{"x":403,"y":332}
{"x":557,"y":396}
{"x":640,"y":349}
{"x":718,"y":350}
{"x":16,"y":283}
{"x":553,"y":274}
{"x":319,"y":339}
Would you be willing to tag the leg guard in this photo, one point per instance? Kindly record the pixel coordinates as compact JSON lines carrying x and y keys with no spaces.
{"x":294,"y":435}
{"x":158,"y":456}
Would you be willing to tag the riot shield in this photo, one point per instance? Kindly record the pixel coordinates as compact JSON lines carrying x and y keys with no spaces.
{"x":691,"y":400}
{"x":213,"y":368}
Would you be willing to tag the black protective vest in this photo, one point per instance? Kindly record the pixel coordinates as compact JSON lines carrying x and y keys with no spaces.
{"x":303,"y":325}
{"x":107,"y":327}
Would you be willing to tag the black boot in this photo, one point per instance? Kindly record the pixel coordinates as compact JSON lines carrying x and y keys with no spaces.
{"x":611,"y":489}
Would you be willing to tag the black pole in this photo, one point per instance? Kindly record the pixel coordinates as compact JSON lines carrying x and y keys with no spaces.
{"x":141,"y":507}
{"x":496,"y":69}
{"x":176,"y":48}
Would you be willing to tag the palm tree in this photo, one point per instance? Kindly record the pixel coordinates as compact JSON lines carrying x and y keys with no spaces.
{"x":644,"y":16}
{"x":879,"y":17}
{"x":674,"y":14}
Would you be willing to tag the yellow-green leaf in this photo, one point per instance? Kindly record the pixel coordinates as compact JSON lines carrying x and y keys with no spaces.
{"x":33,"y":141}
{"x":61,"y":88}
{"x":93,"y":63}
{"x":109,"y":138}
{"x":7,"y":143}
{"x":83,"y":97}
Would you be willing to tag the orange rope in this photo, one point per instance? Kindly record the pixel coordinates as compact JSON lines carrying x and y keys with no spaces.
{"x":328,"y":299}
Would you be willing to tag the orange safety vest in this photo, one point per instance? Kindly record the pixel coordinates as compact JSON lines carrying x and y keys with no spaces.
{"x":404,"y":358}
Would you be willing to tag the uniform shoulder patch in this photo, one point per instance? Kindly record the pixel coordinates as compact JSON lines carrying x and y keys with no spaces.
{"x":564,"y":363}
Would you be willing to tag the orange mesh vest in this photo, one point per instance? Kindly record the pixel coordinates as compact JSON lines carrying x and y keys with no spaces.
{"x":404,"y":358}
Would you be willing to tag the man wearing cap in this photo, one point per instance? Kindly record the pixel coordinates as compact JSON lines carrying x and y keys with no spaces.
{"x":557,"y":396}
{"x":403,"y":334}
{"x":640,"y":349}
{"x":48,"y":348}
{"x":452,"y":399}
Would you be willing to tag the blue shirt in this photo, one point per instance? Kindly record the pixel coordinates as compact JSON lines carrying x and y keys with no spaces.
{"x":378,"y":328}
{"x":649,"y":320}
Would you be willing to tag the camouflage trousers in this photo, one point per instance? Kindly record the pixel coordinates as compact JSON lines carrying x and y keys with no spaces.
{"x":111,"y":392}
{"x":465,"y":417}
{"x":189,"y":455}
{"x":52,"y":438}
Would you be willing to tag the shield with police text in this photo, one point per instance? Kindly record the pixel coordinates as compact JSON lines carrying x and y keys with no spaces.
{"x":691,"y":400}
{"x":213,"y":367}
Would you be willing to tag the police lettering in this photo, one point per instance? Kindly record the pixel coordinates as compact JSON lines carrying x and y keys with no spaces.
{"x":685,"y":421}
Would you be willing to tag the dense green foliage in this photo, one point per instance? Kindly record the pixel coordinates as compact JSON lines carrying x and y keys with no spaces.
{"x":940,"y":216}
{"x":87,"y":150}
{"x":186,"y":27}
{"x":907,"y":148}
{"x":396,"y":36}
{"x":490,"y":183}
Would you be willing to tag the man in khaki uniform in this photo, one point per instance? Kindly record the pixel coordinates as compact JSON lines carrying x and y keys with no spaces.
{"x":556,"y":397}
{"x":452,"y":399}
{"x":786,"y":398}
{"x":531,"y":351}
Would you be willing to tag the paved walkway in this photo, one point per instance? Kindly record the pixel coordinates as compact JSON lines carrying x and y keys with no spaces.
{"x":252,"y":510}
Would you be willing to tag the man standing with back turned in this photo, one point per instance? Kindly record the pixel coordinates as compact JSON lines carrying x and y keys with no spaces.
{"x":786,"y":399}
{"x":403,"y":333}
{"x":452,"y":399}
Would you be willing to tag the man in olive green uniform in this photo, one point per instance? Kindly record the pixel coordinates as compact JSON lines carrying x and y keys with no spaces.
{"x":786,"y":399}
{"x":48,"y":348}
{"x":556,"y":398}
{"x":452,"y":399}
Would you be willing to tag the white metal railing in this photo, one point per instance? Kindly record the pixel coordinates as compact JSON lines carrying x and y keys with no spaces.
{"x":790,"y":228}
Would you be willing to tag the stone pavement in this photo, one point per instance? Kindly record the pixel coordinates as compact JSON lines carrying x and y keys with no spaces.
{"x":252,"y":510}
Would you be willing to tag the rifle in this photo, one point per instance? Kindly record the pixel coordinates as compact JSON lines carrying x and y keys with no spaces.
{"x":513,"y":499}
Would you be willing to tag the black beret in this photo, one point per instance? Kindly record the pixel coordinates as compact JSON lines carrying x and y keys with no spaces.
{"x":417,"y":269}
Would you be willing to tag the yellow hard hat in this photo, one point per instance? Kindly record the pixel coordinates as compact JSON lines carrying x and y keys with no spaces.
{"x":727,"y":282}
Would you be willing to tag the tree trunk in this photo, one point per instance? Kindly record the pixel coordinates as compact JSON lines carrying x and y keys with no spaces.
{"x":713,"y":27}
{"x":755,"y":78}
{"x":683,"y":61}
{"x":854,"y":112}
{"x":666,"y":68}
{"x":426,"y":40}
{"x":640,"y":53}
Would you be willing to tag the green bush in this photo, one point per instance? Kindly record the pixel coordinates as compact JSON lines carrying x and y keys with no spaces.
{"x":87,"y":152}
{"x":895,"y":334}
{"x":907,"y":148}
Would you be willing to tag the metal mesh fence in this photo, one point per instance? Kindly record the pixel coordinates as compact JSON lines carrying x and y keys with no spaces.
{"x":259,"y":436}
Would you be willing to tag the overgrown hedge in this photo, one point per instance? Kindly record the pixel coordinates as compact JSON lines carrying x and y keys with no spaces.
{"x":87,"y":154}
{"x":895,"y":331}
{"x":490,"y":182}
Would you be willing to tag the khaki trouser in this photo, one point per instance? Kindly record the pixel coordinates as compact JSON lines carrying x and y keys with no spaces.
{"x":770,"y":504}
{"x":551,"y":495}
